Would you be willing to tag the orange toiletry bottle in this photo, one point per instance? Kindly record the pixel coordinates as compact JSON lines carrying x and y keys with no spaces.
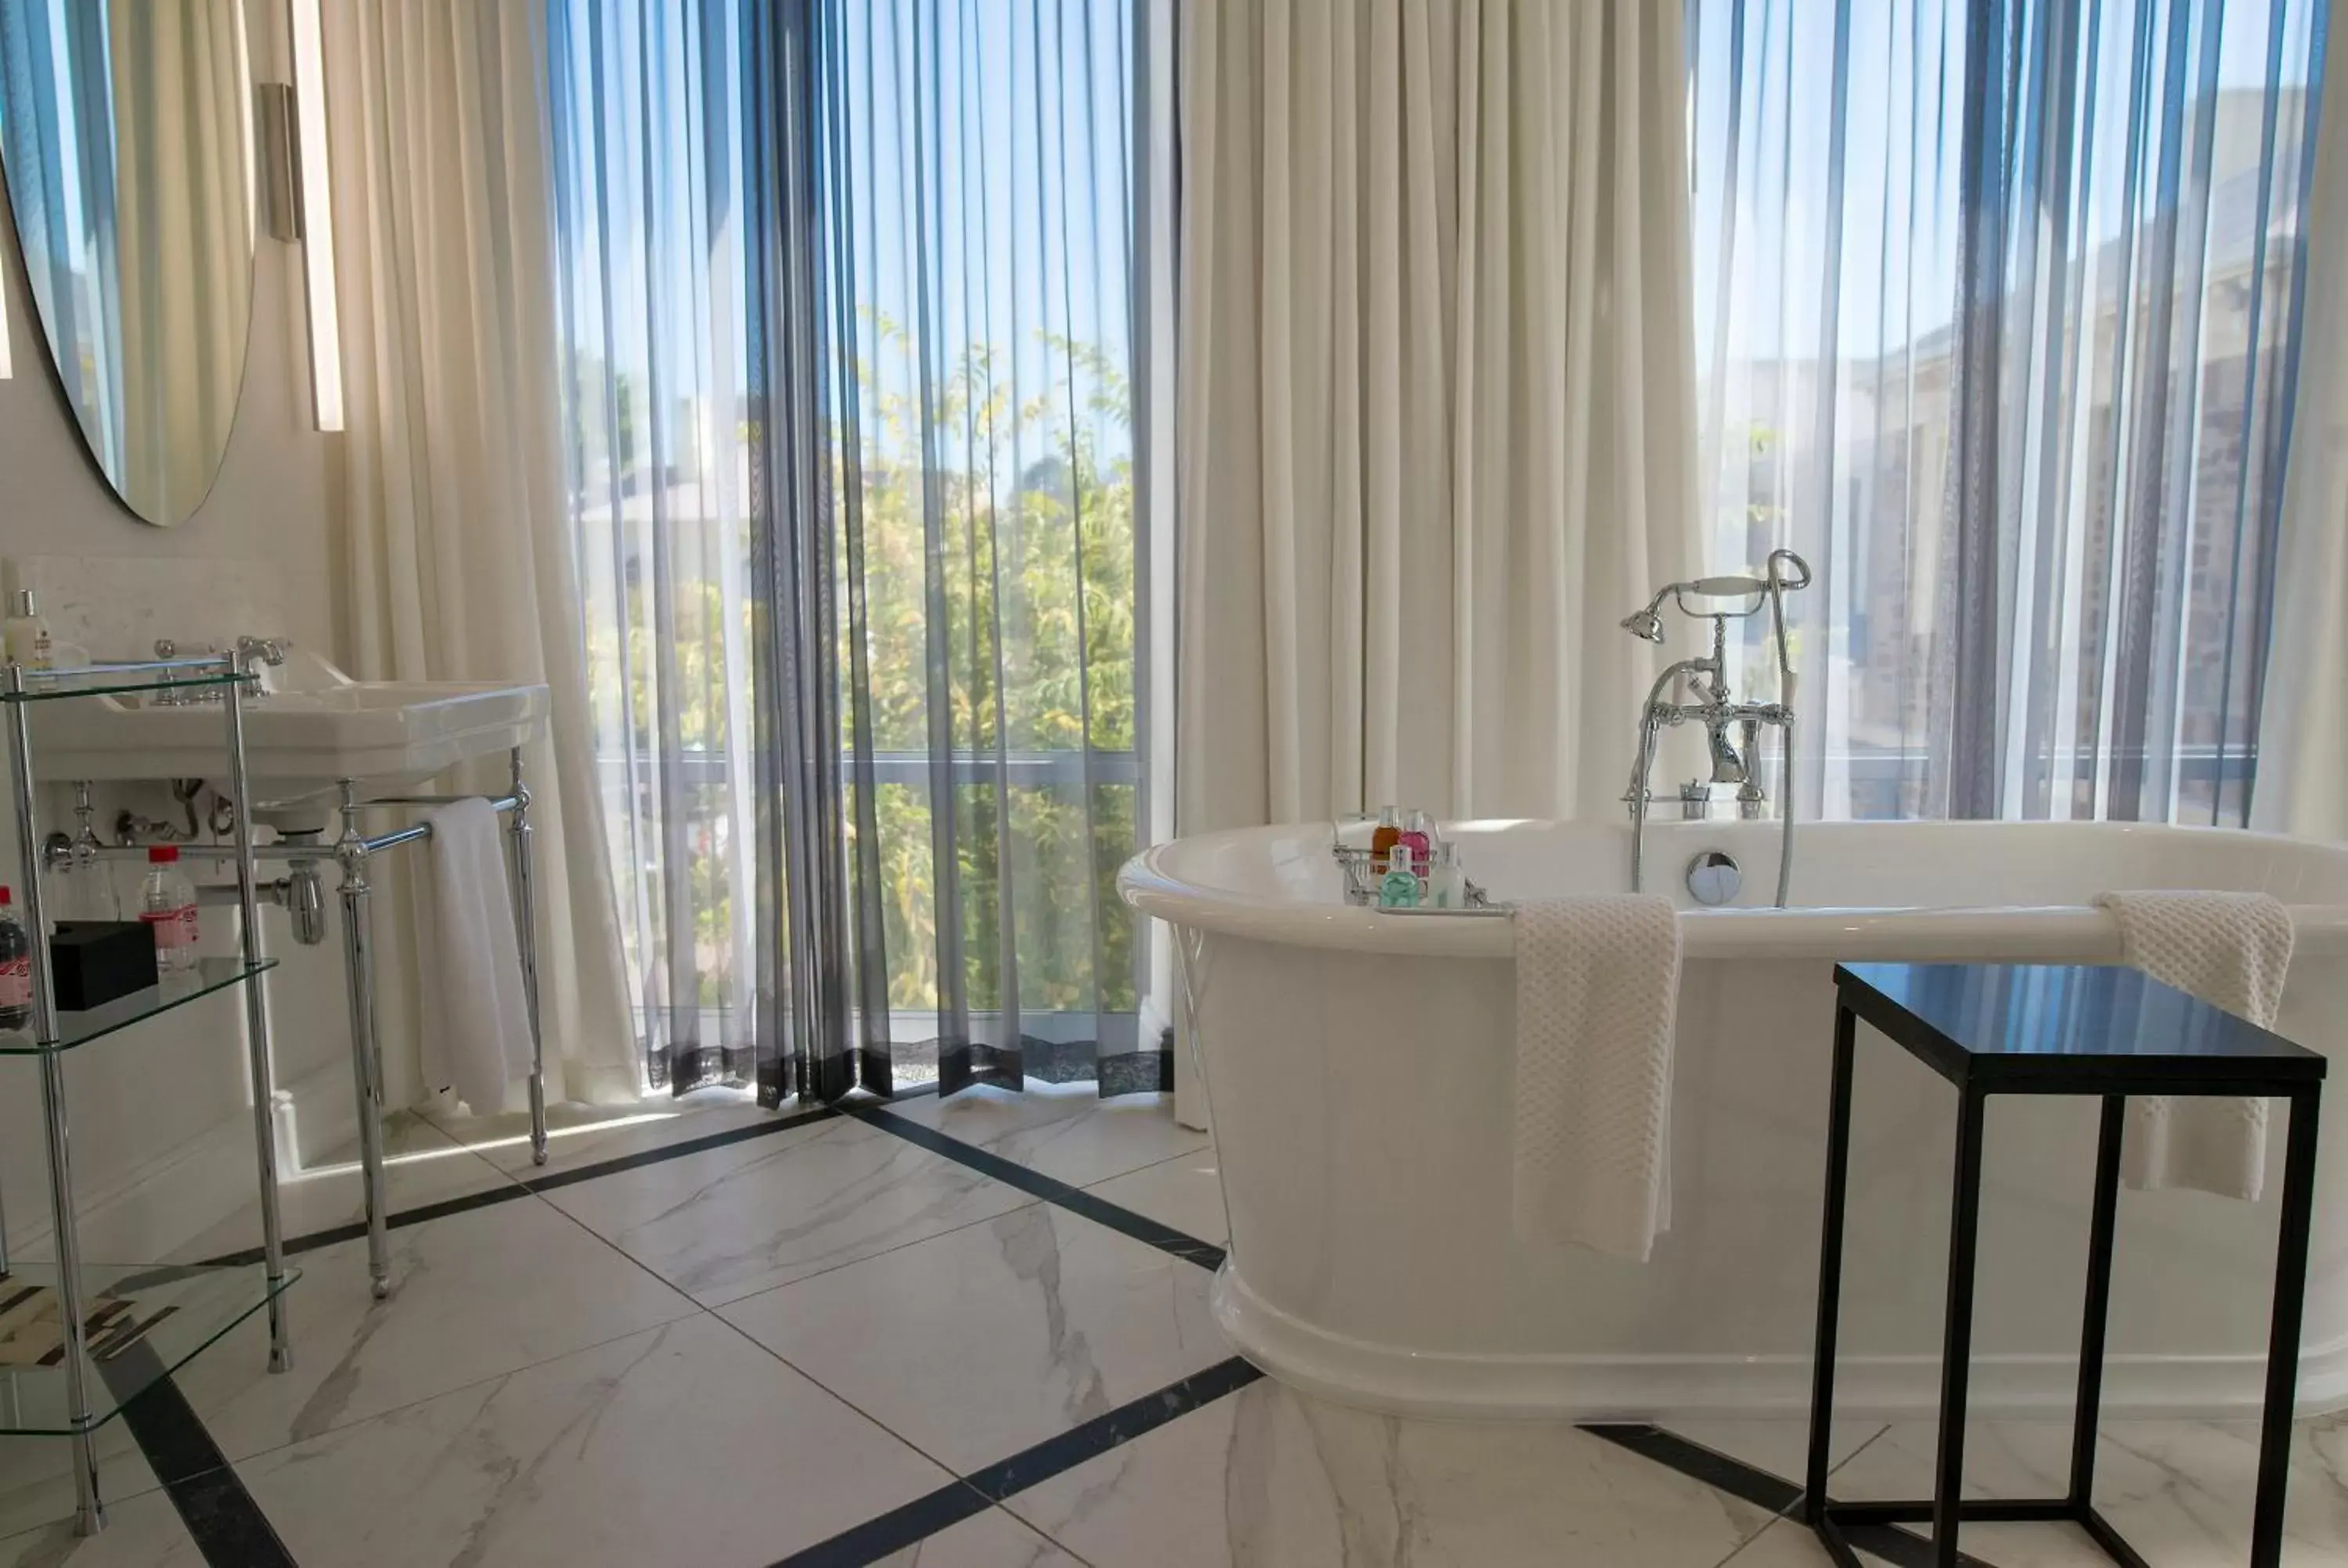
{"x":1387,"y":834}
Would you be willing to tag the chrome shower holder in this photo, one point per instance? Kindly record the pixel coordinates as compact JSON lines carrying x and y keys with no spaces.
{"x":1732,"y":728}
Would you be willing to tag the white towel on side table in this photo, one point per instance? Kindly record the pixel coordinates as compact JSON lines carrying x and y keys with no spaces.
{"x":476,"y":1023}
{"x":1597,"y":987}
{"x":2231,"y":950}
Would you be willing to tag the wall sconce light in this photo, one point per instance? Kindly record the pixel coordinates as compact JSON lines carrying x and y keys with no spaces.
{"x":313,"y":212}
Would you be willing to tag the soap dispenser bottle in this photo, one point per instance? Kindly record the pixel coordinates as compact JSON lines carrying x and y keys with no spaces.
{"x":1447,"y":885}
{"x":25,"y":635}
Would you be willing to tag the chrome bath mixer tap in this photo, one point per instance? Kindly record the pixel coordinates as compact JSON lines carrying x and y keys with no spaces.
{"x":1732,"y":728}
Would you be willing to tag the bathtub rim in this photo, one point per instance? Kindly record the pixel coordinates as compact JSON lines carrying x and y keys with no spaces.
{"x":2041,"y":933}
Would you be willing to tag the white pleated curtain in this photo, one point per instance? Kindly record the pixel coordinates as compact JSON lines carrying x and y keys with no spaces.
{"x":2302,"y":784}
{"x":1436,"y":425}
{"x":454,"y":543}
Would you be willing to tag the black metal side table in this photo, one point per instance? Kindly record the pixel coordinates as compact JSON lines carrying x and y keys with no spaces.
{"x":2031,"y":1029}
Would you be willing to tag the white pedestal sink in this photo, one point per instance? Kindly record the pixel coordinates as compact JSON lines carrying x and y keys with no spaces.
{"x":316,"y":727}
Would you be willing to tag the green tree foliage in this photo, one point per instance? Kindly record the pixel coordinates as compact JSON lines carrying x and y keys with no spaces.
{"x":1021,"y":512}
{"x":1033,"y":552}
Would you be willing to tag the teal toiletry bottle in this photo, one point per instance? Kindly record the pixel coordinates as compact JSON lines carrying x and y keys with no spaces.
{"x":1400,"y":888}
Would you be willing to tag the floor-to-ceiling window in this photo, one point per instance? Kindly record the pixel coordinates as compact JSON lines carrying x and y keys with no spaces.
{"x":972,"y":242}
{"x":1996,"y":316}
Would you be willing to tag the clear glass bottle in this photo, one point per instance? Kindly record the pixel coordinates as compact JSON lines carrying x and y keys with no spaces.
{"x":16,"y":967}
{"x":166,"y":904}
{"x":1447,"y":885}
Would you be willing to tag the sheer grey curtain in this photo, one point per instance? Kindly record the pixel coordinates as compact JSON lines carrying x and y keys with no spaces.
{"x":1998,"y":308}
{"x":976,"y":230}
{"x":848,"y":311}
{"x":659,"y":199}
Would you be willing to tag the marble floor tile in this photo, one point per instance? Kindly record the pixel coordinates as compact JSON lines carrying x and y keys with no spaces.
{"x":734,"y":1221}
{"x":422,"y":1165}
{"x":1065,"y":1131}
{"x":975,"y":1345}
{"x":476,"y":1294}
{"x":2180,"y":1490}
{"x":578,"y":1135}
{"x":1787,"y":1543}
{"x":142,"y":1531}
{"x":36,"y":1477}
{"x":990,"y":1540}
{"x":681,"y":1444}
{"x":1185,"y":1192}
{"x":1268,"y":1476}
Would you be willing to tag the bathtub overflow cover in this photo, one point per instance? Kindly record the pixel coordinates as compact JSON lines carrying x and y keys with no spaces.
{"x":1714,"y":876}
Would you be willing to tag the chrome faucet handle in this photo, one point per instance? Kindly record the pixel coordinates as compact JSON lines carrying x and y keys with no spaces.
{"x":270,"y":650}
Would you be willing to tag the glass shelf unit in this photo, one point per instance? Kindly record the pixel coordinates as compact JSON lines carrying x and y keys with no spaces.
{"x":73,"y":1028}
{"x":61,"y":684}
{"x":183,"y":1309}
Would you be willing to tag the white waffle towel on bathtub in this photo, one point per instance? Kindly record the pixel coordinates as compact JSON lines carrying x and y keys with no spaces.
{"x":1597,"y":984}
{"x":2233,"y":951}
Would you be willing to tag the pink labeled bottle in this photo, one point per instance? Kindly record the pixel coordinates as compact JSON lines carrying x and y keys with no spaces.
{"x":166,"y":904}
{"x":16,"y":967}
{"x":1418,"y":837}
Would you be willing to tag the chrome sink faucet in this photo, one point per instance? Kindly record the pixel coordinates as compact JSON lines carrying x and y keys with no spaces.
{"x":252,"y":652}
{"x":1732,"y":728}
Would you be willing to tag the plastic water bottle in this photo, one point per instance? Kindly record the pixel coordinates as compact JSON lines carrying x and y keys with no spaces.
{"x":16,"y":967}
{"x":167,"y":903}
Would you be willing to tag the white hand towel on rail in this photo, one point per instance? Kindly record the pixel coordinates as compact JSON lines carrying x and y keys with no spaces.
{"x":2233,"y":951}
{"x":1597,"y":987}
{"x":477,"y":1022}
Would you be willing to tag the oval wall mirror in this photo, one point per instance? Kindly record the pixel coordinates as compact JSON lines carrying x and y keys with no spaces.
{"x":126,"y":134}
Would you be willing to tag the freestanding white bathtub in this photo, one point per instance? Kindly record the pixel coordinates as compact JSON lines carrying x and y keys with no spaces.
{"x":1357,"y":1069}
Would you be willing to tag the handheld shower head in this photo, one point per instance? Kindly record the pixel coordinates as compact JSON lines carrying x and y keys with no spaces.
{"x":1645,"y":624}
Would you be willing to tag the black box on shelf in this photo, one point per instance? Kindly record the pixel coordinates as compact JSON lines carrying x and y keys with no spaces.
{"x":92,"y":962}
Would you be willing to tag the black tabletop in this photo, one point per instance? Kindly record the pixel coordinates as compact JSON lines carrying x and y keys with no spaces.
{"x":2077,"y":1028}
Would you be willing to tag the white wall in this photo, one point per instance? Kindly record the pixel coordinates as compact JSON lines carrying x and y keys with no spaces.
{"x":162,"y":1087}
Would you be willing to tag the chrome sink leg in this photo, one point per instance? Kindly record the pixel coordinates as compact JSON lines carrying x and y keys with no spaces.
{"x":253,"y":936}
{"x":366,"y":1061}
{"x":526,"y":936}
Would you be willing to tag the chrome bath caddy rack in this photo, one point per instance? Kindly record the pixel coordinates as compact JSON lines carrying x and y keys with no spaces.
{"x":1361,"y":870}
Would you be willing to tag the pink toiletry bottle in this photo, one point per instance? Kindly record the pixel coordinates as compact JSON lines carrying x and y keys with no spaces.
{"x":1418,"y":837}
{"x":16,"y":967}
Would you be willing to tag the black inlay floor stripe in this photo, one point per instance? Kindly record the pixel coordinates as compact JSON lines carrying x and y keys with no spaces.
{"x":1722,"y":1472}
{"x":525,"y":1187}
{"x":1054,"y":1456}
{"x":1051,"y":1189}
{"x":726,"y":1138}
{"x":221,"y":1517}
{"x":951,"y":1504}
{"x":886,"y":1535}
{"x":1726,"y":1472}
